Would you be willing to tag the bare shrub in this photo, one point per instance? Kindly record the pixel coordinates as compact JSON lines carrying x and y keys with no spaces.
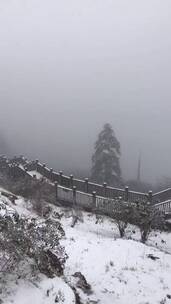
{"x":142,"y":214}
{"x":147,"y":218}
{"x":122,"y":215}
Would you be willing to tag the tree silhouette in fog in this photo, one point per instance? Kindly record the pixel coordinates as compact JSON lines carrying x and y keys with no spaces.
{"x":106,"y":158}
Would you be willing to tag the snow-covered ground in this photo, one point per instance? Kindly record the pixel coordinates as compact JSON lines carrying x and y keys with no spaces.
{"x":119,"y":271}
{"x":47,"y":291}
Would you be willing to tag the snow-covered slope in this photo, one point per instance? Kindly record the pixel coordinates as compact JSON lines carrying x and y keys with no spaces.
{"x":119,"y":271}
{"x":47,"y":291}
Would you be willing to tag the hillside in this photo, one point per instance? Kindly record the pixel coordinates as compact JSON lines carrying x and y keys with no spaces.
{"x":119,"y":270}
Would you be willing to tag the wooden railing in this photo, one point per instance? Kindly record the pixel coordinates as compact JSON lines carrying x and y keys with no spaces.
{"x":82,"y":192}
{"x":164,"y":207}
{"x":162,"y":196}
{"x":87,"y":186}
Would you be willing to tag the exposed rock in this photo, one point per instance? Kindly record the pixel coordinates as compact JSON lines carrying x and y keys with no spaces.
{"x":82,"y":283}
{"x":77,"y":296}
{"x":153,"y":257}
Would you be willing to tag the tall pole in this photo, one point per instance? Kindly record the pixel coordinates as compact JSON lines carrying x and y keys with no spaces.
{"x":139,"y":169}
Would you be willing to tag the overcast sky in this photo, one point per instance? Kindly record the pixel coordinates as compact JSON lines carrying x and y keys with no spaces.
{"x":69,"y":66}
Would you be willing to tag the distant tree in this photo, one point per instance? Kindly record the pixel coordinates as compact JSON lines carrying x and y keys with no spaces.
{"x":105,"y":160}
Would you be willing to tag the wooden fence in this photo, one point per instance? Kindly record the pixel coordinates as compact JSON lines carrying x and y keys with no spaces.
{"x":83,"y":192}
{"x":89,"y":187}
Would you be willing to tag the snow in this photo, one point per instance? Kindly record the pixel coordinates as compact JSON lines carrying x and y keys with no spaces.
{"x":5,"y":208}
{"x":119,"y":270}
{"x":37,"y":174}
{"x":28,"y":293}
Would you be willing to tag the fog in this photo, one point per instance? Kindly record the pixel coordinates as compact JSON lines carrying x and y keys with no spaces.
{"x":68,"y":67}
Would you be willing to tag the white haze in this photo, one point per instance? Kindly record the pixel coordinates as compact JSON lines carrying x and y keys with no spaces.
{"x":67,"y":67}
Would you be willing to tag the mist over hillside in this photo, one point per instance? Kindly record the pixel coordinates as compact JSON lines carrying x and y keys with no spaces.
{"x":66,"y":68}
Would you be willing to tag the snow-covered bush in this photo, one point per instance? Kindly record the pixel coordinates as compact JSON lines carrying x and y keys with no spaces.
{"x":147,"y":218}
{"x":22,"y":238}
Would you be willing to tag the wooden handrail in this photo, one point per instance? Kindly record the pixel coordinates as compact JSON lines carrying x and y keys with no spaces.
{"x":88,"y":187}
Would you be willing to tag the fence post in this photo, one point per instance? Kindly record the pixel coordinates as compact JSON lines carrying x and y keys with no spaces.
{"x":150,"y":196}
{"x":14,"y":171}
{"x":94,"y":200}
{"x":126,"y":193}
{"x":86,"y":184}
{"x":51,"y":174}
{"x":37,"y":161}
{"x":56,"y":191}
{"x":105,"y":188}
{"x":74,"y":195}
{"x":71,"y":181}
{"x":60,"y":173}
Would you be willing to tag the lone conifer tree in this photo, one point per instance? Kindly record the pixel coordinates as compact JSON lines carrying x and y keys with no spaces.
{"x":105,"y":160}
